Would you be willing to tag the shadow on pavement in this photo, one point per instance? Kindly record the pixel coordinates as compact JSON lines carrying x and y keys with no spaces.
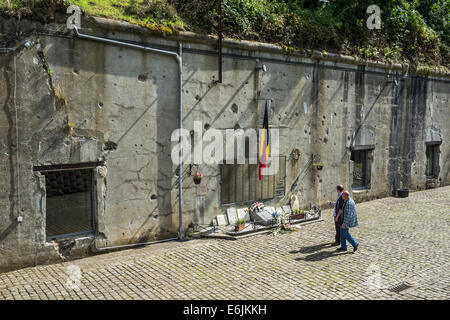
{"x":312,"y":248}
{"x":322,"y":255}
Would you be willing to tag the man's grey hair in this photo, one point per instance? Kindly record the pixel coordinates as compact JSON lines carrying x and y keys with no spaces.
{"x":346,"y":193}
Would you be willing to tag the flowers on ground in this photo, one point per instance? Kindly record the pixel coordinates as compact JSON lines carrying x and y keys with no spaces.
{"x":256,"y":207}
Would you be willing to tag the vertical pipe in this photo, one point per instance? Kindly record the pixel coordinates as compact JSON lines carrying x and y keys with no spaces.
{"x":220,"y":41}
{"x":17,"y":136}
{"x":180,"y":164}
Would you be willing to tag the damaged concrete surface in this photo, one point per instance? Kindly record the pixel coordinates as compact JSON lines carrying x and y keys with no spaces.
{"x":65,"y":100}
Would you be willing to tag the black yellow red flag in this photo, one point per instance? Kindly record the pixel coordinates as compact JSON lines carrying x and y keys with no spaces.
{"x":264,"y":142}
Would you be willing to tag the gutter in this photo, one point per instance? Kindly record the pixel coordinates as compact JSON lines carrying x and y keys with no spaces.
{"x":187,"y":36}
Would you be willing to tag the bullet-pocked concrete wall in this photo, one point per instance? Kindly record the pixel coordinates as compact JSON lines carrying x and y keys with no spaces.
{"x":67,"y":100}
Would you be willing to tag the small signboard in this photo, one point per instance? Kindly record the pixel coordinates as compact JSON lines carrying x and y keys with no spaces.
{"x":232,"y":215}
{"x":243,"y":213}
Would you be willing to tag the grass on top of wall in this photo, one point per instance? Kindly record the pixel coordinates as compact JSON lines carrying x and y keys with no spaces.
{"x":416,"y":32}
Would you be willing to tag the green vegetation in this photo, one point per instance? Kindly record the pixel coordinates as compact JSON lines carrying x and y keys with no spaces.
{"x":416,"y":32}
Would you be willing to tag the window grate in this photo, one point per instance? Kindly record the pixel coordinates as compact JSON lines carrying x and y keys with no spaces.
{"x":58,"y":183}
{"x":362,"y":162}
{"x":400,"y":287}
{"x":69,"y":202}
{"x":240,"y":183}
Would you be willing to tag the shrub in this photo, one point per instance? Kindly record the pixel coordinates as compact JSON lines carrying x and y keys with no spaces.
{"x":414,"y":31}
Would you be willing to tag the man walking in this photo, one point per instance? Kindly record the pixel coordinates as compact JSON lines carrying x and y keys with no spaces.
{"x":350,"y":220}
{"x":337,"y":214}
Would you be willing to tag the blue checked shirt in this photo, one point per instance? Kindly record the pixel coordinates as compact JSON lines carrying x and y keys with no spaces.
{"x":349,"y":212}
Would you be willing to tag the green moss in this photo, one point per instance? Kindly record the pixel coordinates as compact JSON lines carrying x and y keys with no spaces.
{"x":156,"y":15}
{"x":287,"y":49}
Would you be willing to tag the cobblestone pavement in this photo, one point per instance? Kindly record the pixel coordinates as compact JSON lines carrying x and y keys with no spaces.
{"x":401,"y":240}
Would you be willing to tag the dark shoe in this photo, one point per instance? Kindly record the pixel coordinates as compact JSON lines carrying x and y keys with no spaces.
{"x":341,"y":249}
{"x":335,"y":244}
{"x":355,"y":248}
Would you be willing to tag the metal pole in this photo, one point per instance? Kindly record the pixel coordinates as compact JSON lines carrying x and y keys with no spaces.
{"x":220,"y":41}
{"x":180,"y":165}
{"x":124,"y":44}
{"x":132,"y":244}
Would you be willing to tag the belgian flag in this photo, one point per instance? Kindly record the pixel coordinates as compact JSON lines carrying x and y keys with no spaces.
{"x":264,"y":143}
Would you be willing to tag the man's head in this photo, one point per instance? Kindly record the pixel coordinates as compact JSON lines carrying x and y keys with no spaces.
{"x":339,"y":188}
{"x":345,"y":195}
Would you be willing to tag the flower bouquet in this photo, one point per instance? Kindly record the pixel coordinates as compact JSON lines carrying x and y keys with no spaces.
{"x":283,"y":228}
{"x":256,"y":207}
{"x":275,"y":217}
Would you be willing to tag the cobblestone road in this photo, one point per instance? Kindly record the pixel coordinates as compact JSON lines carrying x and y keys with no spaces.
{"x":401,"y":240}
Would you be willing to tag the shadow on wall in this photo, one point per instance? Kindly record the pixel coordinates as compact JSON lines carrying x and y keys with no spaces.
{"x":9,"y":137}
{"x":167,"y":121}
{"x":4,"y":233}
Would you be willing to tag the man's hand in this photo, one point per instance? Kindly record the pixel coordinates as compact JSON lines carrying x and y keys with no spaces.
{"x":343,"y":227}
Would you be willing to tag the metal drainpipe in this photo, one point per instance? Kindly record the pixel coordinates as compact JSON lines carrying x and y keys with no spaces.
{"x":132,"y":244}
{"x":7,"y":50}
{"x":180,"y":155}
{"x":178,"y":57}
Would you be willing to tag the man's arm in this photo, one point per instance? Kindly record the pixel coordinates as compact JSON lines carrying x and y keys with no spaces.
{"x":344,"y":223}
{"x":338,"y":215}
{"x":339,"y":208}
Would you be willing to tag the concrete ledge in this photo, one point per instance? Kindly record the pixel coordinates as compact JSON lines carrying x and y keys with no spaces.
{"x":114,"y":25}
{"x":90,"y":22}
{"x":263,"y":230}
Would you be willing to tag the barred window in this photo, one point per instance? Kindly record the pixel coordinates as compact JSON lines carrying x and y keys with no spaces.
{"x":362,"y":163}
{"x":69,"y":202}
{"x":432,"y":154}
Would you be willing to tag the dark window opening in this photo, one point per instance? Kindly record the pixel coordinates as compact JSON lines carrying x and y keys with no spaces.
{"x":240,"y":183}
{"x":69,"y":202}
{"x":432,"y":155}
{"x":361,"y":168}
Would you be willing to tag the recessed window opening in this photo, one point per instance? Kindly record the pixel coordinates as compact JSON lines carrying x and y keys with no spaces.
{"x":69,"y":202}
{"x":432,"y":155}
{"x":361,"y":168}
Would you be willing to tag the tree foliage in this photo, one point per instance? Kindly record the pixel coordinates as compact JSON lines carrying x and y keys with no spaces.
{"x":413,"y":31}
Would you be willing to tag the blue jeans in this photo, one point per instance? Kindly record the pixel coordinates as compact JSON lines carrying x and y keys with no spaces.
{"x":345,"y":235}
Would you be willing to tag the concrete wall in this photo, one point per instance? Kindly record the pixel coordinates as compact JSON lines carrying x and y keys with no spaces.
{"x":67,"y":100}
